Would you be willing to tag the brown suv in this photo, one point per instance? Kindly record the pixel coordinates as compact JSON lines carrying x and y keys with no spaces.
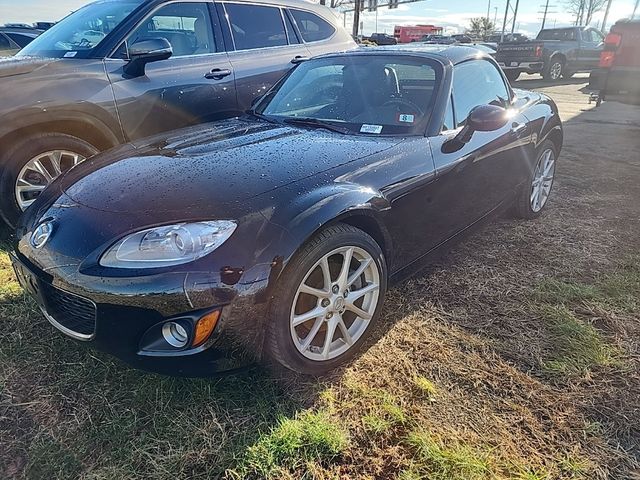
{"x":118,"y":70}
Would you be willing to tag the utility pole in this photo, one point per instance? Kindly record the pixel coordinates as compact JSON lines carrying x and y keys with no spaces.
{"x":356,"y":17}
{"x":633,"y":15}
{"x":488,"y":10}
{"x":495,"y":16}
{"x":544,"y":18}
{"x":504,"y":22}
{"x":515,"y":15}
{"x":606,"y":16}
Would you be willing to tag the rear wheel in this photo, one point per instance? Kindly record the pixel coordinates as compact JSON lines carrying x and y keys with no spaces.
{"x":534,"y":195}
{"x":32,"y":163}
{"x":554,"y":70}
{"x":328,"y":301}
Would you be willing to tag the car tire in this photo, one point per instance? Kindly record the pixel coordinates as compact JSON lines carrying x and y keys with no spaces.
{"x":554,"y":70}
{"x":512,"y":76}
{"x":526,"y":205}
{"x":14,"y":162}
{"x":285,"y":343}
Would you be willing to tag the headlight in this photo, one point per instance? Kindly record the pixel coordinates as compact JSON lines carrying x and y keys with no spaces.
{"x":168,"y":245}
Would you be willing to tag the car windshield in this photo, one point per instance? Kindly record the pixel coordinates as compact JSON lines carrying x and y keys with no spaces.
{"x":82,"y":31}
{"x":367,"y":94}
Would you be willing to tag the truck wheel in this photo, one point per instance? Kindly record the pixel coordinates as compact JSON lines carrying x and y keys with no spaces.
{"x":554,"y":70}
{"x":31,"y":164}
{"x":513,"y":75}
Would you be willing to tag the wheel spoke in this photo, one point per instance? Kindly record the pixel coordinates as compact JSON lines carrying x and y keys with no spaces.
{"x":346,"y":336}
{"x":305,"y":317}
{"x":344,"y":272}
{"x":311,"y":335}
{"x":356,"y":294}
{"x":358,"y":311}
{"x":326,"y":273}
{"x":316,"y":292}
{"x":363,"y":266}
{"x":56,"y":159}
{"x":328,"y":339}
{"x":40,"y":168}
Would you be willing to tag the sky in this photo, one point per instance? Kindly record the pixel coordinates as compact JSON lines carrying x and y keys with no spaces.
{"x":454,"y":15}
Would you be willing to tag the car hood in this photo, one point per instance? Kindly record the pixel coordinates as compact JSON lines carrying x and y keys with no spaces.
{"x":203,"y":167}
{"x":22,"y":65}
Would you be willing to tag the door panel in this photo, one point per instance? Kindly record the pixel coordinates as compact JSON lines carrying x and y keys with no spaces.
{"x":183,"y":90}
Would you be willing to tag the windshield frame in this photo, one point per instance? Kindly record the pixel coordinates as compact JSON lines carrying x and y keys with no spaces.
{"x":425,"y":125}
{"x":101,"y":49}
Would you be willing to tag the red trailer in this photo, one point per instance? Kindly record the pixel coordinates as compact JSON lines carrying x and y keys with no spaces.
{"x":414,"y":33}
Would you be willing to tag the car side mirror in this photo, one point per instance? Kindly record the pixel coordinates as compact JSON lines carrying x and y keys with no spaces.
{"x":144,"y":52}
{"x":483,"y":118}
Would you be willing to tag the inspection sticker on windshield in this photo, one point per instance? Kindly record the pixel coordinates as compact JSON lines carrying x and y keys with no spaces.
{"x":371,"y":128}
{"x":70,"y":54}
{"x":406,"y":118}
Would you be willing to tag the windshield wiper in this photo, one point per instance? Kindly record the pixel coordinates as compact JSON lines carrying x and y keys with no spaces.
{"x":315,"y":122}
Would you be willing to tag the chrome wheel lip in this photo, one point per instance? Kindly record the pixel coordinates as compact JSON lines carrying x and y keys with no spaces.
{"x":48,"y":166}
{"x":555,"y":71}
{"x":543,"y":178}
{"x":332,"y":303}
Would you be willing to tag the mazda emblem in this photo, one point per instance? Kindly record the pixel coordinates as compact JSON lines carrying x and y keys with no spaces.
{"x":41,"y":234}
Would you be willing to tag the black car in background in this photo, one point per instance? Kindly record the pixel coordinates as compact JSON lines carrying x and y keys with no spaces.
{"x":382,"y":39}
{"x":275,"y":235}
{"x":14,"y":39}
{"x":119,"y":70}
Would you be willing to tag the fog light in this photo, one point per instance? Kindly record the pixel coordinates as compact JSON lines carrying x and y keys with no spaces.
{"x":175,"y":334}
{"x":204,"y":327}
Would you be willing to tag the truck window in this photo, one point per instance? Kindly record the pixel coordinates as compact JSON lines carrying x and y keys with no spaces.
{"x":561,"y":34}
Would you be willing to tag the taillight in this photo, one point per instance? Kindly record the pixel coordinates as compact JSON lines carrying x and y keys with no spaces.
{"x":538,"y":51}
{"x":613,"y":41}
{"x":606,"y":59}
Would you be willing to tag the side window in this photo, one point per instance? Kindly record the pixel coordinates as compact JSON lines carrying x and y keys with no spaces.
{"x":312,"y":27}
{"x":255,"y":26}
{"x":21,"y":40}
{"x":597,"y":36}
{"x":448,"y":123}
{"x":4,"y":43}
{"x":587,"y":36}
{"x":291,"y":31}
{"x":477,"y":82}
{"x":187,"y":26}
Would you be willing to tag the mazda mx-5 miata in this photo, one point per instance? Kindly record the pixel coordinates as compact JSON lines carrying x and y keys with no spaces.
{"x":275,"y":235}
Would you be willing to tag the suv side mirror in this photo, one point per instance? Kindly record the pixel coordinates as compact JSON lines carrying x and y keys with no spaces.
{"x":483,"y":118}
{"x":144,"y":52}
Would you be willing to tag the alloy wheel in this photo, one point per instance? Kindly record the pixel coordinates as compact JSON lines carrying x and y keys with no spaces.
{"x":556,"y":71}
{"x":335,"y":302}
{"x":542,"y":180}
{"x":40,"y":171}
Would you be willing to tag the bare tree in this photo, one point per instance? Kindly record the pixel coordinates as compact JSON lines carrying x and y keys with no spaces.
{"x":585,"y":9}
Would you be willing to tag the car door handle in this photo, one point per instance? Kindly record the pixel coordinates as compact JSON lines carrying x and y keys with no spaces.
{"x":517,"y":129}
{"x":299,"y":59}
{"x":218,"y":73}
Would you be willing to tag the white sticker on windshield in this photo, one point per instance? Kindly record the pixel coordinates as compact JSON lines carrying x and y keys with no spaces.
{"x":371,"y":128}
{"x":406,"y":118}
{"x":70,"y":54}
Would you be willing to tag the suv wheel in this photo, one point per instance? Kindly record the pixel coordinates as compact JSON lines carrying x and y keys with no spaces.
{"x":328,"y":301}
{"x":554,"y":70}
{"x":31,"y":164}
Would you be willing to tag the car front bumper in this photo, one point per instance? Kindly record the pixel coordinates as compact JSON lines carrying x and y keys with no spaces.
{"x":114,"y":315}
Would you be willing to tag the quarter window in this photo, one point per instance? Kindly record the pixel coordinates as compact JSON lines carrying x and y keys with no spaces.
{"x":448,"y":117}
{"x":255,"y":26}
{"x":186,"y":26}
{"x":312,"y":27}
{"x":477,"y":82}
{"x":4,"y":43}
{"x":21,"y":40}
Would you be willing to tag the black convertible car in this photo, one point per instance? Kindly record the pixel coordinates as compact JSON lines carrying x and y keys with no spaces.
{"x":275,"y":236}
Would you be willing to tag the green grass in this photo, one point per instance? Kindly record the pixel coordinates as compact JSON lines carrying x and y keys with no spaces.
{"x":435,"y":461}
{"x":294,"y":442}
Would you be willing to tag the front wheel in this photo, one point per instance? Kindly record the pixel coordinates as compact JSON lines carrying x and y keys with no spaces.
{"x":554,"y":70}
{"x":328,"y":301}
{"x":31,"y":164}
{"x":534,"y":195}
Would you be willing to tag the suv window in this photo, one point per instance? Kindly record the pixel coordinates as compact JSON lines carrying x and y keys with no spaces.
{"x":186,"y":26}
{"x":312,"y":27}
{"x":477,"y":82}
{"x":255,"y":26}
{"x":21,"y":40}
{"x":4,"y":42}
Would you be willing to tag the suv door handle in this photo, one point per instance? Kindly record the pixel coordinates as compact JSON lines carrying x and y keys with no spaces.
{"x":518,"y":129}
{"x":218,"y":74}
{"x":299,"y":59}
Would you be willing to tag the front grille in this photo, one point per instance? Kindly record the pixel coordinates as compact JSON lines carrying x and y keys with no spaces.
{"x":70,"y":311}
